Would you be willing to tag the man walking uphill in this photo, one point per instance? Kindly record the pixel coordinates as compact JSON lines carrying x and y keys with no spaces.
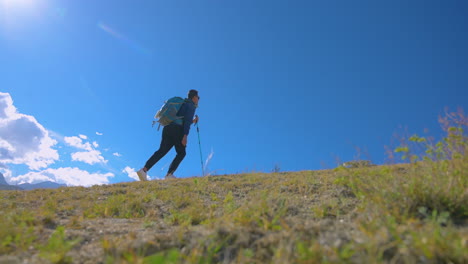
{"x":174,"y":134}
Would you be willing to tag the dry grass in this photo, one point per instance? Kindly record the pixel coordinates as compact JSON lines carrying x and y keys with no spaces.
{"x":332,"y":216}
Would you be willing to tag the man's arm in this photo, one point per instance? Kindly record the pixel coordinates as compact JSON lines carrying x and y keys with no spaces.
{"x":188,"y":120}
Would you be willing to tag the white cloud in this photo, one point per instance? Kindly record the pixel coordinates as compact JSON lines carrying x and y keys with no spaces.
{"x":78,"y":143}
{"x":83,"y":137}
{"x":68,"y":176}
{"x":22,"y":139}
{"x":117,"y":154}
{"x":99,"y":134}
{"x":90,"y":157}
{"x":131,"y":173}
{"x":207,"y":161}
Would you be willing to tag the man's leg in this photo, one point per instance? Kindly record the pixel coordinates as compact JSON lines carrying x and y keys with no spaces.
{"x":180,"y":149}
{"x":166,"y":145}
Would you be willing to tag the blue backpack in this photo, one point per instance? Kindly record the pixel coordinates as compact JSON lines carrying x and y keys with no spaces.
{"x":168,"y":112}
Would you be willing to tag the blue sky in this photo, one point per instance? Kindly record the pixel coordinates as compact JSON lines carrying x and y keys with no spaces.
{"x":298,"y":84}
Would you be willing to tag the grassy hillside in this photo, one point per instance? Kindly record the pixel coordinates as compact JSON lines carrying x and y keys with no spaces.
{"x":412,"y":213}
{"x":358,"y":215}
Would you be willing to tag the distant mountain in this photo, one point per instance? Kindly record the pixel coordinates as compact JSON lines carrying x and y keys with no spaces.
{"x":2,"y":180}
{"x":9,"y":187}
{"x":41,"y":185}
{"x":5,"y":186}
{"x":28,"y":186}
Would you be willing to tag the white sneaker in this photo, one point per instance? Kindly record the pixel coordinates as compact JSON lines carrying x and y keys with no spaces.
{"x":170,"y":176}
{"x":142,"y":175}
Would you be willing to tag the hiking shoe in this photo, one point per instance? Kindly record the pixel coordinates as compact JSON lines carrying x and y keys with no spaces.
{"x":170,"y":176}
{"x":142,"y":175}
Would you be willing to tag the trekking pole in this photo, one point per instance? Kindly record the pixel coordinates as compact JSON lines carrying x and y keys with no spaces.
{"x":201,"y":156}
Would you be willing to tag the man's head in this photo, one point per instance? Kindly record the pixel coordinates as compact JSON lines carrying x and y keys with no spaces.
{"x":193,"y":95}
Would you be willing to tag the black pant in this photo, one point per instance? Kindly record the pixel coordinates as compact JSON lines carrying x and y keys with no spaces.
{"x":172,"y":136}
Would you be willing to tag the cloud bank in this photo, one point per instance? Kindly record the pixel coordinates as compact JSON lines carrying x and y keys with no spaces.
{"x":22,"y":139}
{"x":68,"y":176}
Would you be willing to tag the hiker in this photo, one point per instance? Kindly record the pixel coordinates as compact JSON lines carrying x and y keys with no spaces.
{"x":174,"y":134}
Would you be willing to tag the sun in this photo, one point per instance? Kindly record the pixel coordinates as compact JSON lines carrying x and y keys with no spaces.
{"x":14,"y":11}
{"x":17,"y":3}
